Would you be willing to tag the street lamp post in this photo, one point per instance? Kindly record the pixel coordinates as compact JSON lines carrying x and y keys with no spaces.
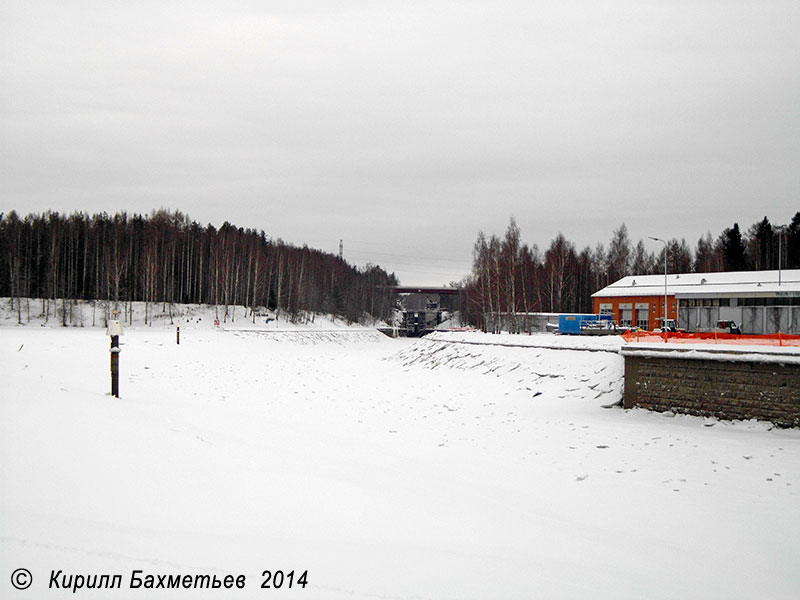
{"x":664,"y":323}
{"x":780,"y":230}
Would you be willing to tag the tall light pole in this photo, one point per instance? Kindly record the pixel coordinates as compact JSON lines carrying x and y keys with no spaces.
{"x":780,"y":230}
{"x":664,"y":323}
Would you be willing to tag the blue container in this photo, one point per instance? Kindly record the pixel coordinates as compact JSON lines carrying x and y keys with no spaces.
{"x":571,"y":324}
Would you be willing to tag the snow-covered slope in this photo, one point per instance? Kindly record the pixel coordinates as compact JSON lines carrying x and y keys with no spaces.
{"x":611,"y":343}
{"x":95,"y":314}
{"x":584,"y":371}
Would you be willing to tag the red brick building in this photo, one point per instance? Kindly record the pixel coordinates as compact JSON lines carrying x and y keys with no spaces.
{"x":759,"y":301}
{"x":644,"y":311}
{"x":638,"y":300}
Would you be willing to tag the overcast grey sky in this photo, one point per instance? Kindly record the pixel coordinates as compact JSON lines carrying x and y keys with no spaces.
{"x":404,"y":128}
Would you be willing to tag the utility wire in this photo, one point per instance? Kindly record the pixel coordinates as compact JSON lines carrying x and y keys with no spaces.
{"x":348,"y":243}
{"x":420,"y":262}
{"x":452,"y":274}
{"x":364,"y":256}
{"x":436,"y":258}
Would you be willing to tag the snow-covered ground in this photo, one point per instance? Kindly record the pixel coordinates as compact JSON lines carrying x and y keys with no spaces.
{"x":386,"y":468}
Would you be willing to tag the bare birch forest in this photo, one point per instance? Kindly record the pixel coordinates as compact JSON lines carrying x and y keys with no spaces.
{"x":166,"y":258}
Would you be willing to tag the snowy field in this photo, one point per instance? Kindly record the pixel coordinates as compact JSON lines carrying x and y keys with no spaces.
{"x":395,"y":469}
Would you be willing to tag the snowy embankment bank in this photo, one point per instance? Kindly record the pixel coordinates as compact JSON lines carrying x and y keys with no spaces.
{"x":551,"y":341}
{"x":96,"y":313}
{"x":543,"y":365}
{"x":386,"y":469}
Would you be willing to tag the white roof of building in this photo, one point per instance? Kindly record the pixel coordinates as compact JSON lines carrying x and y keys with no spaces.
{"x":707,"y":285}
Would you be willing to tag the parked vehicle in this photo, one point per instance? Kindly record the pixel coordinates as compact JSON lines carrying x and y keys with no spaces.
{"x":726,"y":326}
{"x":671,"y":326}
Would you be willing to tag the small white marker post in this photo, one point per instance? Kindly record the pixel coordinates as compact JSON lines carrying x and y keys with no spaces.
{"x":114,"y":330}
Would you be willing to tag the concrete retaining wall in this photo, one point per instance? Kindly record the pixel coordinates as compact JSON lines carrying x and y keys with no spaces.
{"x":729,"y":384}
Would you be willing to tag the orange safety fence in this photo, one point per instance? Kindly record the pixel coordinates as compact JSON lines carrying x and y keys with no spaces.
{"x":770,"y":339}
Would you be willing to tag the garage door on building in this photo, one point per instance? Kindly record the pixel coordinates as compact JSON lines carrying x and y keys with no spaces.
{"x":626,"y":314}
{"x":643,"y":315}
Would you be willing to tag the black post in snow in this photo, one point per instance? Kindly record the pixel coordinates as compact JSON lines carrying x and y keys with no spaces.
{"x":114,"y":331}
{"x":115,"y":366}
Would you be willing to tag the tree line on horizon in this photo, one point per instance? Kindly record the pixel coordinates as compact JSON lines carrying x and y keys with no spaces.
{"x":167,"y":258}
{"x":510,"y":276}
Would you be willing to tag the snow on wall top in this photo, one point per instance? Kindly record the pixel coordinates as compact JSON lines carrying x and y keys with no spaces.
{"x":713,"y":352}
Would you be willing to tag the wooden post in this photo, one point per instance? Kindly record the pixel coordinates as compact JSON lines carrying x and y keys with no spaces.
{"x":178,"y":336}
{"x":114,"y":331}
{"x":115,"y":366}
